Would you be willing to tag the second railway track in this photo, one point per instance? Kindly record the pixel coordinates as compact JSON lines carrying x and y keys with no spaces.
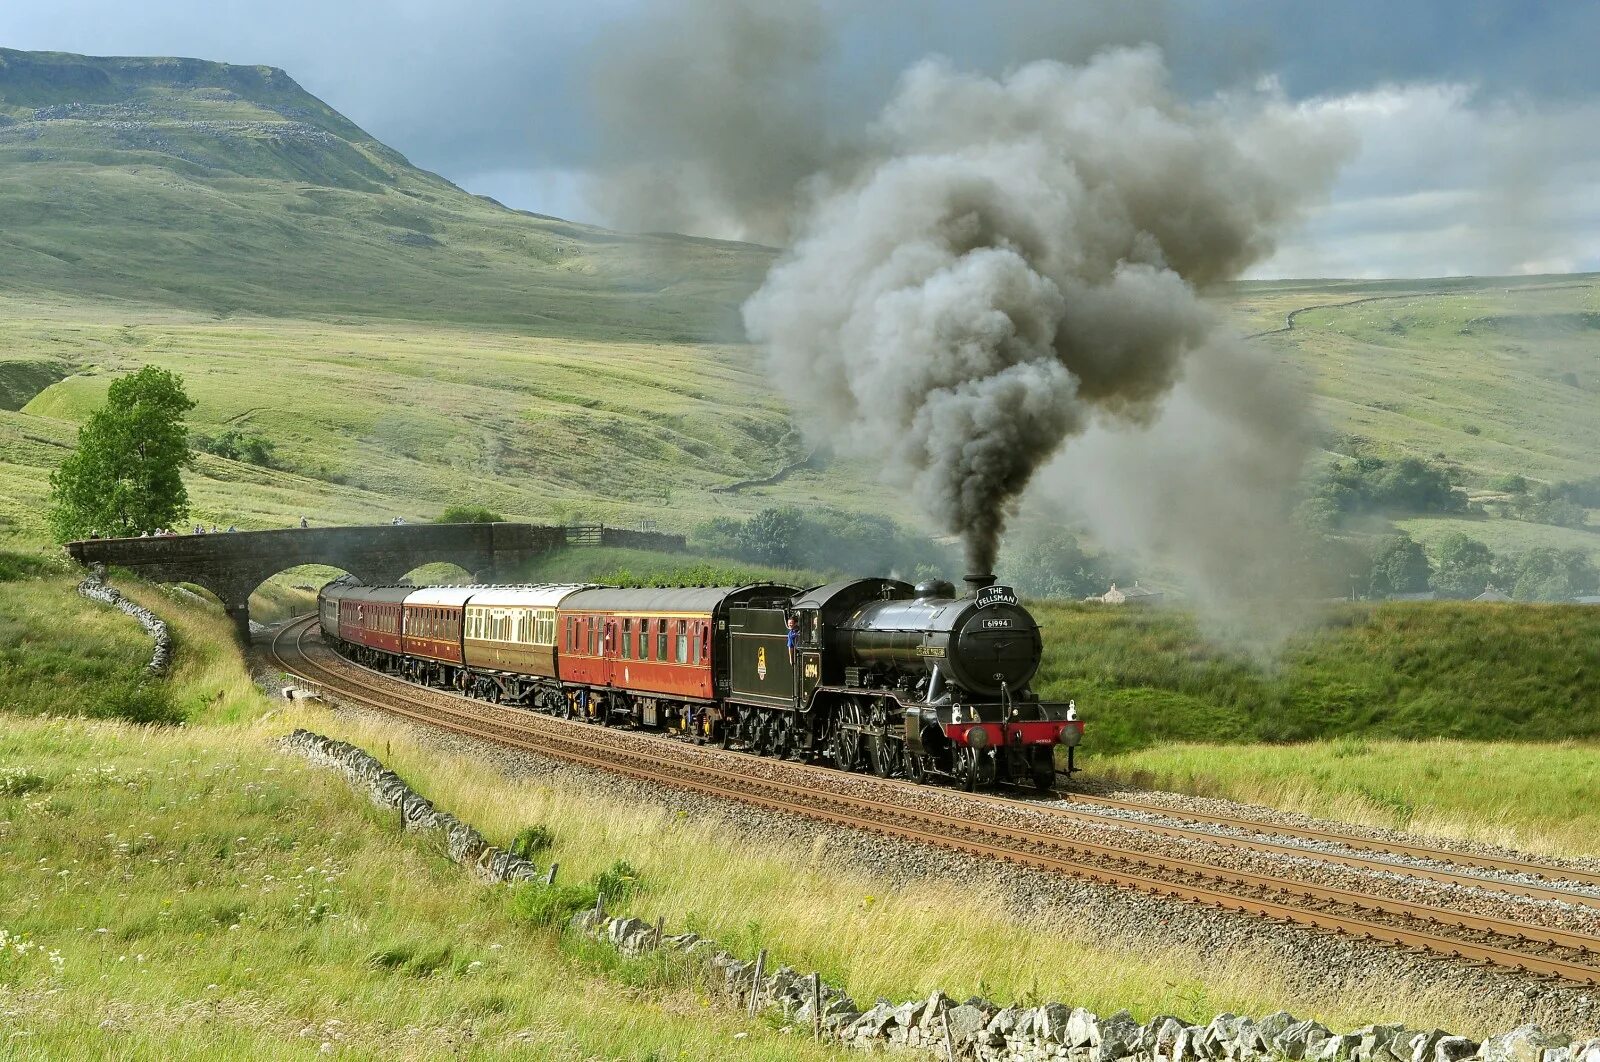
{"x":1557,"y":952}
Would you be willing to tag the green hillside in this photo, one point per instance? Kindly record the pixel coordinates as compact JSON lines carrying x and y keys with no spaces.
{"x":406,"y":345}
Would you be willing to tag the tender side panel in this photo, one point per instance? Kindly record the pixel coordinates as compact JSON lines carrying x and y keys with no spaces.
{"x":761,"y":668}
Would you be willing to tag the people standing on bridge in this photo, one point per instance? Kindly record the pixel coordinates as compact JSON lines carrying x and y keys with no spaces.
{"x":231,"y":529}
{"x":304,"y":522}
{"x":215,"y":530}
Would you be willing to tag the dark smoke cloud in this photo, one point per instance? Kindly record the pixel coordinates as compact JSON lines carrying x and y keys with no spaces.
{"x":1015,"y":257}
{"x":1203,"y":488}
{"x":714,"y":118}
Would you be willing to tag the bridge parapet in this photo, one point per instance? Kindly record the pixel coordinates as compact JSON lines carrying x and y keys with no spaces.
{"x":232,"y":564}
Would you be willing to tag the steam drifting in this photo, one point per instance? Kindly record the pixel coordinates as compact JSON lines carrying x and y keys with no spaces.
{"x":1015,"y":258}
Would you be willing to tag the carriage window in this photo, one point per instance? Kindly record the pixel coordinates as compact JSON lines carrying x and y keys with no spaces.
{"x":698,"y":644}
{"x":644,"y":639}
{"x":627,"y":639}
{"x":593,"y":635}
{"x":705,"y":642}
{"x":661,"y":639}
{"x":682,"y":655}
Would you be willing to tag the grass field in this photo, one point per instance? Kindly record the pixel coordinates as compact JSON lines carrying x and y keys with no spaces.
{"x":1533,"y":796}
{"x":202,"y":893}
{"x":1399,"y":670}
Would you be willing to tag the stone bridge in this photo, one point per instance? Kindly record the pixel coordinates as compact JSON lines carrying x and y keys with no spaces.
{"x":232,"y":565}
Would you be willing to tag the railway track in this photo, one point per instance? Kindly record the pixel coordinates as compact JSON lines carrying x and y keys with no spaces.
{"x":1545,"y":951}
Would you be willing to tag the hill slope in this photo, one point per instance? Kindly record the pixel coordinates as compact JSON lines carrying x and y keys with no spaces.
{"x":408,"y":345}
{"x":230,"y":190}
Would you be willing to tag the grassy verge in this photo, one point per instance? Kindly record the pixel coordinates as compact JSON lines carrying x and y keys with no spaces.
{"x":859,"y":928}
{"x":191,"y":893}
{"x":1538,"y":797}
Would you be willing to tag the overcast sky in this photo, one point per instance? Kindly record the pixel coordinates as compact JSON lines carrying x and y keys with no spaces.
{"x":1477,"y":121}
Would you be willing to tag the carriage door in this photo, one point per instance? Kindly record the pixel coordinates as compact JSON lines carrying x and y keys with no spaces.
{"x":608,"y":650}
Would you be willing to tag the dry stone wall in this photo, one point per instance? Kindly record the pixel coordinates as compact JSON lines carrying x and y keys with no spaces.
{"x":95,"y":588}
{"x":386,"y":789}
{"x":978,"y":1029}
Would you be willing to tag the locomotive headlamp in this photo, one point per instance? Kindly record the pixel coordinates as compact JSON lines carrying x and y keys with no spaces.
{"x":978,"y":738}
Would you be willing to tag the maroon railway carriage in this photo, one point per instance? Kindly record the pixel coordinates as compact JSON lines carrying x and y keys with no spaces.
{"x":373,"y":618}
{"x":651,"y":655}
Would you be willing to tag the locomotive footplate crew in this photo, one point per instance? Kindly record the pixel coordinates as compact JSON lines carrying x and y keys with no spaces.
{"x":864,"y":674}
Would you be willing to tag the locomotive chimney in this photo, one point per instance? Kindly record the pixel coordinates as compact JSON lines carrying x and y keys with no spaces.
{"x":978,"y":582}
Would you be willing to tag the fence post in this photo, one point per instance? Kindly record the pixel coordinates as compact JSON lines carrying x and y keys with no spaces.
{"x":816,"y":1005}
{"x":661,"y":924}
{"x":550,"y":878}
{"x":600,"y":907}
{"x":755,"y":987}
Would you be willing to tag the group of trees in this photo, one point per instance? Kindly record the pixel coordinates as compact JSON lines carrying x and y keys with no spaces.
{"x":821,"y":539}
{"x":1462,"y":567}
{"x":1371,"y":485}
{"x":1055,"y":565}
{"x":237,"y":446}
{"x":1563,"y":504}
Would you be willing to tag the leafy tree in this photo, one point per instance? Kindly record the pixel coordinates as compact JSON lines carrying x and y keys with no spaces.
{"x":1399,"y":566}
{"x":1054,"y":565}
{"x":125,"y":476}
{"x":771,"y":536}
{"x":1510,"y":484}
{"x":469,"y":514}
{"x":1464,"y":566}
{"x":1546,"y":574}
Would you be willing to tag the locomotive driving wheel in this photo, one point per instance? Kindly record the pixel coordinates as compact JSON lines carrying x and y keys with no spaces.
{"x":888,"y":755}
{"x":848,"y":742}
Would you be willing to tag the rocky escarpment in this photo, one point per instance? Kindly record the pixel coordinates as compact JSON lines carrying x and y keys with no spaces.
{"x":95,"y":588}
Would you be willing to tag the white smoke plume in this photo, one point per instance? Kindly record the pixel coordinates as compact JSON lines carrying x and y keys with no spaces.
{"x":1015,"y":258}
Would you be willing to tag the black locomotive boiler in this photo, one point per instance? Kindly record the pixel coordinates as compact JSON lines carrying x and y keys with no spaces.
{"x":900,"y":680}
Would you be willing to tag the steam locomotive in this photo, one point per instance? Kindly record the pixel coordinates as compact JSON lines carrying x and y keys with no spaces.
{"x":863,"y":674}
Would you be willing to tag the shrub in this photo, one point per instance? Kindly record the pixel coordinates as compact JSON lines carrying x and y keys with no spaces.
{"x":138,"y":702}
{"x":532,"y":841}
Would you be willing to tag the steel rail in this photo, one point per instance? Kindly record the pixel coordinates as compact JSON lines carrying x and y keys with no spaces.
{"x":1027,"y":847}
{"x":1502,"y":864}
